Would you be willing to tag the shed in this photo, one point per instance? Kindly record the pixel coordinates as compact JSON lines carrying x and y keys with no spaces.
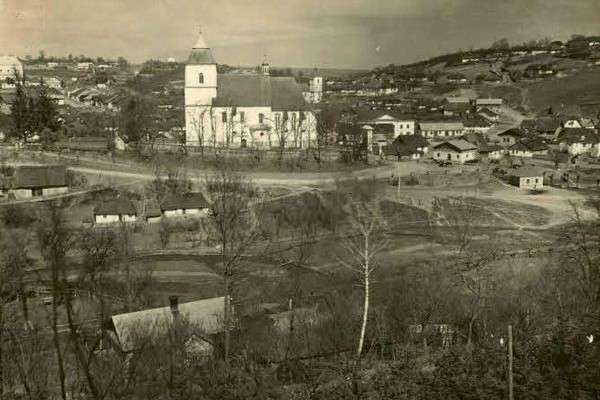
{"x":527,"y":178}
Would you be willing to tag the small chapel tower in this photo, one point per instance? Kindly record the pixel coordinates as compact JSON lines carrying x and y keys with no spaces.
{"x":200,"y":89}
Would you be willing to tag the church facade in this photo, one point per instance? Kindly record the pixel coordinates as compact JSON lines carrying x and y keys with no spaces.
{"x":243,"y":110}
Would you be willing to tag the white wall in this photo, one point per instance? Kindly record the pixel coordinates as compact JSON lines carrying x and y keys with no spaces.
{"x":54,"y":191}
{"x":455,"y":157}
{"x":106,"y":219}
{"x":536,"y":182}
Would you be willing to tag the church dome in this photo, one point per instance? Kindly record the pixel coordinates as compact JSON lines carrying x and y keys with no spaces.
{"x":201,"y":53}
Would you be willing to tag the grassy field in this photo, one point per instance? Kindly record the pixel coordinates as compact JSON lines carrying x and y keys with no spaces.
{"x":566,"y":93}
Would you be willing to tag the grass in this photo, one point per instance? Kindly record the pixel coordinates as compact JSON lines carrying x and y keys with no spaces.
{"x":565,"y":93}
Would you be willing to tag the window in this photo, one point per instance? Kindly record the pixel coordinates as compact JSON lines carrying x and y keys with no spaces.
{"x":201,"y":78}
{"x":261,"y":118}
{"x":536,"y":180}
{"x":527,"y":180}
{"x":224,"y":116}
{"x":242,"y":116}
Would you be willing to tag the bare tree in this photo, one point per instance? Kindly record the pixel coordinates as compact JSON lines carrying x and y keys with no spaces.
{"x":55,"y":240}
{"x":236,"y":225}
{"x":362,"y":246}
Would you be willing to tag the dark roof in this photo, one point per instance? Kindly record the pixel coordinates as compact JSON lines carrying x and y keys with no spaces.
{"x":543,"y":125}
{"x":40,"y":176}
{"x":485,"y":147}
{"x":525,"y":172}
{"x":578,"y":135}
{"x":152,"y":209}
{"x":406,"y":145}
{"x":118,"y":206}
{"x":184,"y":201}
{"x":488,"y":112}
{"x":457,"y":144}
{"x":200,"y":57}
{"x":280,"y":93}
{"x":514,"y":132}
{"x":476,"y":122}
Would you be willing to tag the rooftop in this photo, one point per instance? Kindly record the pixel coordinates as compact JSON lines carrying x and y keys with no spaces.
{"x":190,"y":200}
{"x":457,"y":144}
{"x":117,"y":206}
{"x":38,"y":176}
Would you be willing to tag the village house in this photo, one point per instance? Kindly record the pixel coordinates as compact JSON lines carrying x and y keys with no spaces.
{"x":85,"y":66}
{"x":36,"y":181}
{"x":120,"y":209}
{"x":569,"y":121}
{"x":192,"y":203}
{"x":456,"y":151}
{"x":547,"y":127}
{"x":528,"y":147}
{"x":402,"y":124}
{"x":205,"y":317}
{"x":527,"y":178}
{"x":490,"y":151}
{"x":378,"y":136}
{"x":435,"y":129}
{"x":411,"y":147}
{"x":457,"y":78}
{"x":257,"y":110}
{"x":476,"y":125}
{"x":578,"y":141}
{"x":489,"y":114}
{"x":490,"y":103}
{"x":9,"y":66}
{"x":510,"y":137}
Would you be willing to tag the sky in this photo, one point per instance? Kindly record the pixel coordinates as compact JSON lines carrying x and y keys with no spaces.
{"x":299,"y":33}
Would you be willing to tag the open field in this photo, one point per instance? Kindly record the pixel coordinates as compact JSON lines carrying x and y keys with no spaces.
{"x":560,"y":94}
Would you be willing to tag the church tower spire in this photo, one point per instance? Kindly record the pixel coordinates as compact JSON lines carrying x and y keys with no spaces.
{"x":200,"y":89}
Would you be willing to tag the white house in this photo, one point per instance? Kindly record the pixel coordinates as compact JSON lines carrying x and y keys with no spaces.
{"x":527,"y":178}
{"x":455,"y":151}
{"x":314,"y":92}
{"x":9,"y":65}
{"x":37,"y":181}
{"x":185,"y":204}
{"x":579,"y":141}
{"x":491,"y":103}
{"x":402,"y":124}
{"x":249,"y":110}
{"x":84,"y":66}
{"x":441,"y":129}
{"x":120,"y":209}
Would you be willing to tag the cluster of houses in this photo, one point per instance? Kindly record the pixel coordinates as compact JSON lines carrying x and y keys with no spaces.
{"x":123,"y":209}
{"x":98,"y":97}
{"x":391,"y":133}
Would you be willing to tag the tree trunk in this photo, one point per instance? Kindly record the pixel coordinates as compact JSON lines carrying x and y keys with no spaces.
{"x":226,"y":318}
{"x":55,"y":337}
{"x":363,"y":328}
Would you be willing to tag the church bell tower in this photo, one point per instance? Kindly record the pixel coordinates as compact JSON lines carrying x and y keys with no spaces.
{"x":200,"y":90}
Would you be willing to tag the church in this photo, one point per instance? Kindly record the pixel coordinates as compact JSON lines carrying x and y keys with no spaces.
{"x":243,"y":110}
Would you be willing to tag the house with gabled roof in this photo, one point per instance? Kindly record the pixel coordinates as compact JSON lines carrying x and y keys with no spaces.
{"x":411,"y":147}
{"x":578,"y":141}
{"x":36,"y":181}
{"x":432,"y":129}
{"x":528,"y":147}
{"x":488,"y":114}
{"x":119,"y":209}
{"x":204,"y":318}
{"x":527,"y":178}
{"x":544,"y":126}
{"x":456,"y":151}
{"x":511,"y":136}
{"x":403,"y":124}
{"x":191,"y":203}
{"x":243,"y":110}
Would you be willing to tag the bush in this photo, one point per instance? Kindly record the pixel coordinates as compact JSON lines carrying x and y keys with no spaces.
{"x":17,"y":217}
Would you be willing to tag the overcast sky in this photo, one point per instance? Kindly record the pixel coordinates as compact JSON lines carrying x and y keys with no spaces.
{"x":324,"y":33}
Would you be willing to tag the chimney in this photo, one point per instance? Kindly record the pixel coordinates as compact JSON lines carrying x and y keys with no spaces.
{"x":174,"y":304}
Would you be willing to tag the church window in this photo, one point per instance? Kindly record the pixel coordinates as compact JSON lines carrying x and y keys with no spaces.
{"x":261,"y":118}
{"x":201,"y":78}
{"x":224,"y":116}
{"x":242,"y":116}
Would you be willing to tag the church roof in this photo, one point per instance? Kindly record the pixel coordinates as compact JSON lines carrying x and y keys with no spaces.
{"x":279,"y":93}
{"x":201,"y":57}
{"x":201,"y":53}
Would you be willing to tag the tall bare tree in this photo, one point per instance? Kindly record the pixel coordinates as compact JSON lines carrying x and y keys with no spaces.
{"x":237,"y":226}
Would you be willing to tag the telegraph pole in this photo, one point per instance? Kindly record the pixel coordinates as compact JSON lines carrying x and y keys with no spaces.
{"x":510,"y":364}
{"x":398,"y":173}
